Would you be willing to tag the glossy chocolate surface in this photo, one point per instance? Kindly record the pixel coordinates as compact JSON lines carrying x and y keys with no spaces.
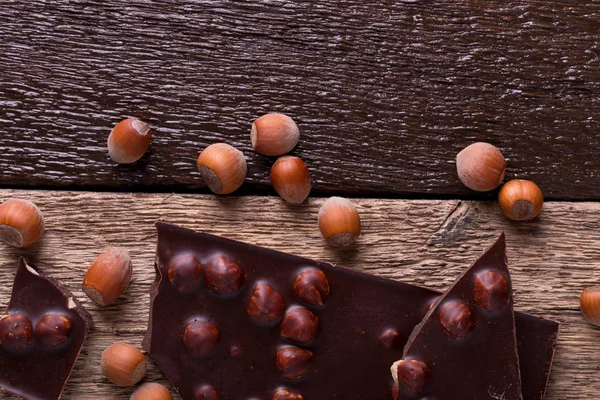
{"x":59,"y":326}
{"x":362,"y":325}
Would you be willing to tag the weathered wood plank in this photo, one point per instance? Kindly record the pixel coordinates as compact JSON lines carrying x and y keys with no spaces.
{"x":422,"y":242}
{"x":385,"y":92}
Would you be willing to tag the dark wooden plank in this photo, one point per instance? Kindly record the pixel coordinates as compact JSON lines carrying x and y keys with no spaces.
{"x":385,"y":92}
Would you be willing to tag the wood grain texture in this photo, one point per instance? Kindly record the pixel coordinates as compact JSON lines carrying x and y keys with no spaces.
{"x":423,"y":242}
{"x":385,"y":92}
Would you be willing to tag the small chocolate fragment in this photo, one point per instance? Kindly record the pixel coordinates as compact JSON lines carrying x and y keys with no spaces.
{"x":266,"y":304}
{"x":300,"y":325}
{"x":41,"y":337}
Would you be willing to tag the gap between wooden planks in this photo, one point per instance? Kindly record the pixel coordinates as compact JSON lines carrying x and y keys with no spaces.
{"x":422,"y":242}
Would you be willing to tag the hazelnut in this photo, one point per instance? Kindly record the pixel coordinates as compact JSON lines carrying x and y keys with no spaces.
{"x":480,"y":167}
{"x":15,"y":332}
{"x":184,"y":272}
{"x":390,"y":338}
{"x":274,"y":134}
{"x":293,"y":362}
{"x":223,"y":276}
{"x":590,"y":304}
{"x":151,"y":391}
{"x":300,"y":325}
{"x":123,"y":364}
{"x":129,"y":140}
{"x":521,"y":200}
{"x":395,"y":390}
{"x":312,"y":287}
{"x":108,"y":276}
{"x":456,"y":319}
{"x":21,"y":223}
{"x":339,"y":221}
{"x":291,"y":179}
{"x":53,"y":330}
{"x":284,"y":394}
{"x":201,"y":338}
{"x":490,"y":291}
{"x":411,"y":375}
{"x":222,"y":167}
{"x":205,"y":392}
{"x":266,"y":304}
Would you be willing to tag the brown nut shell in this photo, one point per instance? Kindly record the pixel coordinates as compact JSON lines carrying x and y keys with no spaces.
{"x":521,"y":200}
{"x":411,"y":375}
{"x":184,"y":272}
{"x":291,"y":179}
{"x":339,"y":221}
{"x":129,"y":140}
{"x":223,"y":276}
{"x":274,"y":134}
{"x":151,"y":391}
{"x":293,"y":362}
{"x":21,"y":223}
{"x":201,"y":338}
{"x":108,"y":276}
{"x":284,"y":394}
{"x":490,"y":291}
{"x":456,"y":319}
{"x":481,"y":167}
{"x":590,"y":304}
{"x":300,"y":325}
{"x":123,"y":364}
{"x":53,"y":330}
{"x":222,"y":167}
{"x":15,"y":332}
{"x":312,"y":287}
{"x":266,"y":304}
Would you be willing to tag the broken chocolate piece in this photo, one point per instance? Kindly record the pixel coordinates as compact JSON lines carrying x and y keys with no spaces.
{"x":41,"y":337}
{"x":467,"y":341}
{"x":342,"y":348}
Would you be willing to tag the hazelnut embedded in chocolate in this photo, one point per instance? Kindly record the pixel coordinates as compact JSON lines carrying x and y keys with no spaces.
{"x":184,"y":272}
{"x":284,"y":394}
{"x":15,"y":332}
{"x":390,"y":338}
{"x":410,"y":374}
{"x":300,"y":325}
{"x":456,"y":319}
{"x":266,"y":304}
{"x":293,"y":362}
{"x":223,"y":276}
{"x":200,"y":338}
{"x":205,"y":392}
{"x":53,"y":330}
{"x":311,"y":286}
{"x":490,"y":290}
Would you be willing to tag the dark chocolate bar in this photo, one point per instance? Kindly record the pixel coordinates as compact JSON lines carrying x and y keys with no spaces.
{"x":233,"y":321}
{"x":466,"y":347}
{"x":41,"y":337}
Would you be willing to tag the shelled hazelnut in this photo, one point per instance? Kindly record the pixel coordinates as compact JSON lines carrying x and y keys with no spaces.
{"x":108,"y":276}
{"x":274,"y":134}
{"x":129,"y":140}
{"x":291,"y":179}
{"x":481,"y":167}
{"x":123,"y":364}
{"x":15,"y":332}
{"x":222,"y":167}
{"x":21,"y":223}
{"x":521,"y":200}
{"x":339,"y":221}
{"x":53,"y":330}
{"x":590,"y":304}
{"x":151,"y":391}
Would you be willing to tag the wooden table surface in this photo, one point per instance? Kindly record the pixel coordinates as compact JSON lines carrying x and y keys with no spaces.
{"x":385,"y":94}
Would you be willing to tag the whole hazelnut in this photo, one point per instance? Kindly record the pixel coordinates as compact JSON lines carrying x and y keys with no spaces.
{"x":222,"y":167}
{"x":480,"y":167}
{"x":205,"y":392}
{"x":266,"y":304}
{"x":521,"y":200}
{"x":184,"y":272}
{"x":456,"y":319}
{"x":293,"y":362}
{"x":300,"y":325}
{"x":129,"y":141}
{"x":53,"y":330}
{"x":284,"y":394}
{"x":15,"y":332}
{"x":274,"y":134}
{"x":201,"y":338}
{"x":108,"y":276}
{"x":223,"y":276}
{"x":151,"y":391}
{"x":339,"y":221}
{"x":410,"y":374}
{"x":123,"y":364}
{"x":291,"y":179}
{"x":21,"y":223}
{"x":490,"y":291}
{"x":312,"y":287}
{"x":590,"y":304}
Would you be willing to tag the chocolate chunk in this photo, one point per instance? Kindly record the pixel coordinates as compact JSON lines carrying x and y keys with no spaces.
{"x":41,"y":337}
{"x":314,"y":331}
{"x":466,"y":346}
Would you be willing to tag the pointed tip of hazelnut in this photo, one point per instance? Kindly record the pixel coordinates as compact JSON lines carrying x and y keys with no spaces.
{"x":141,"y":127}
